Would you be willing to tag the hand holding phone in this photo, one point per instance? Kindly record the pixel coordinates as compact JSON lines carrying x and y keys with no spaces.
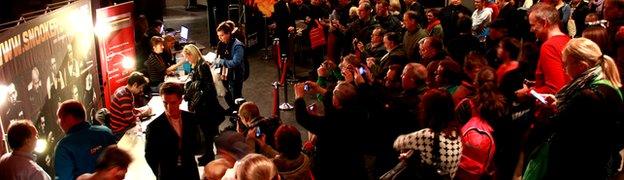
{"x":258,"y":132}
{"x":538,"y":96}
{"x":361,"y":70}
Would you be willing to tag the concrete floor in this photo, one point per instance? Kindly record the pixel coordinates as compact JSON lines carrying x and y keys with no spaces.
{"x":258,"y":87}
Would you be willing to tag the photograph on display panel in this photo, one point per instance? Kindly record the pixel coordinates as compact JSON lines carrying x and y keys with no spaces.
{"x":44,"y":62}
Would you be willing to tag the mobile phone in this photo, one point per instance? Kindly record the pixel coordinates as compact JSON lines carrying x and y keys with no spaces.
{"x":538,"y":96}
{"x":362,"y":71}
{"x":258,"y":132}
{"x":306,"y":87}
{"x":311,"y":106}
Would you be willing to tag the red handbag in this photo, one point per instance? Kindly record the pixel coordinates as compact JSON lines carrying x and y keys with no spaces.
{"x":317,"y":36}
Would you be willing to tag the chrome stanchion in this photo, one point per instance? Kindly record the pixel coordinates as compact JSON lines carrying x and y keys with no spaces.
{"x":285,"y":106}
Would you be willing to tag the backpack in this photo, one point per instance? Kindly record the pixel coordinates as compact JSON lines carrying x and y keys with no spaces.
{"x":472,"y":163}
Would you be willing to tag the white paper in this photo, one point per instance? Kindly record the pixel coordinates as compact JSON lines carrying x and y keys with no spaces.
{"x":210,"y":57}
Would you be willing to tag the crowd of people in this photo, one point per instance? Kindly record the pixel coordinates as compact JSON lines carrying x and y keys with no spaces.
{"x":498,"y":90}
{"x":401,"y":90}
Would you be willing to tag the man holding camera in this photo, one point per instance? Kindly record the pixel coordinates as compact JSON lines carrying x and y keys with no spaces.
{"x":253,"y":125}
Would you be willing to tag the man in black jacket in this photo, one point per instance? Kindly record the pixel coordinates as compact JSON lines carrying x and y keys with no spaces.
{"x":449,"y":16}
{"x":171,"y":138}
{"x":340,"y":151}
{"x":396,"y":57}
{"x":284,"y":22}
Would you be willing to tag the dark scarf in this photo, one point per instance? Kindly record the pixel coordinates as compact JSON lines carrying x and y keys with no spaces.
{"x":583,"y":81}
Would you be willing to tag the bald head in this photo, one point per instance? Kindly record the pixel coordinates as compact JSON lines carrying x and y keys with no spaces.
{"x":414,"y":76}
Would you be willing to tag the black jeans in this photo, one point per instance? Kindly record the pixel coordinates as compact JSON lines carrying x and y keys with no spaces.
{"x":209,"y":122}
{"x":234,"y":90}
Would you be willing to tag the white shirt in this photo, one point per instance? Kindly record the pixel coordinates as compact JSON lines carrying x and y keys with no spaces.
{"x":481,"y":16}
{"x":18,"y":166}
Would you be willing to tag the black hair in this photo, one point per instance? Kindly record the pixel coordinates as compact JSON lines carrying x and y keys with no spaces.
{"x":512,"y":47}
{"x":137,"y":78}
{"x":171,"y":88}
{"x":438,"y":109}
{"x":72,"y":108}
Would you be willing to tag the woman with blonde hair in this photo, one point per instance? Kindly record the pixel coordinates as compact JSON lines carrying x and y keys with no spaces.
{"x":256,"y":167}
{"x":584,"y":119}
{"x":208,"y":111}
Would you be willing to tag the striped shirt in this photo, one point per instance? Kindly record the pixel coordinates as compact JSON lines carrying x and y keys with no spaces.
{"x":122,"y":110}
{"x":156,"y":69}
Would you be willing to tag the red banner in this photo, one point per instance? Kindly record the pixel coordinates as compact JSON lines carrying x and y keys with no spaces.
{"x":115,"y":32}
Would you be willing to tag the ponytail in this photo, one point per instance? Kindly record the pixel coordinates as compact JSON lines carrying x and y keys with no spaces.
{"x":583,"y":49}
{"x":610,"y":70}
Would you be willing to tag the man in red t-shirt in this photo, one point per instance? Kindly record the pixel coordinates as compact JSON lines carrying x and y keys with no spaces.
{"x":549,"y":75}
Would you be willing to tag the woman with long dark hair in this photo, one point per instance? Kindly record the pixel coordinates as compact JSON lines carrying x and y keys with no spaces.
{"x":437,"y":109}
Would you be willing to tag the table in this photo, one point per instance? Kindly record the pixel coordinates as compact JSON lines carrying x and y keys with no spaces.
{"x":134,"y":142}
{"x":158,"y":108}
